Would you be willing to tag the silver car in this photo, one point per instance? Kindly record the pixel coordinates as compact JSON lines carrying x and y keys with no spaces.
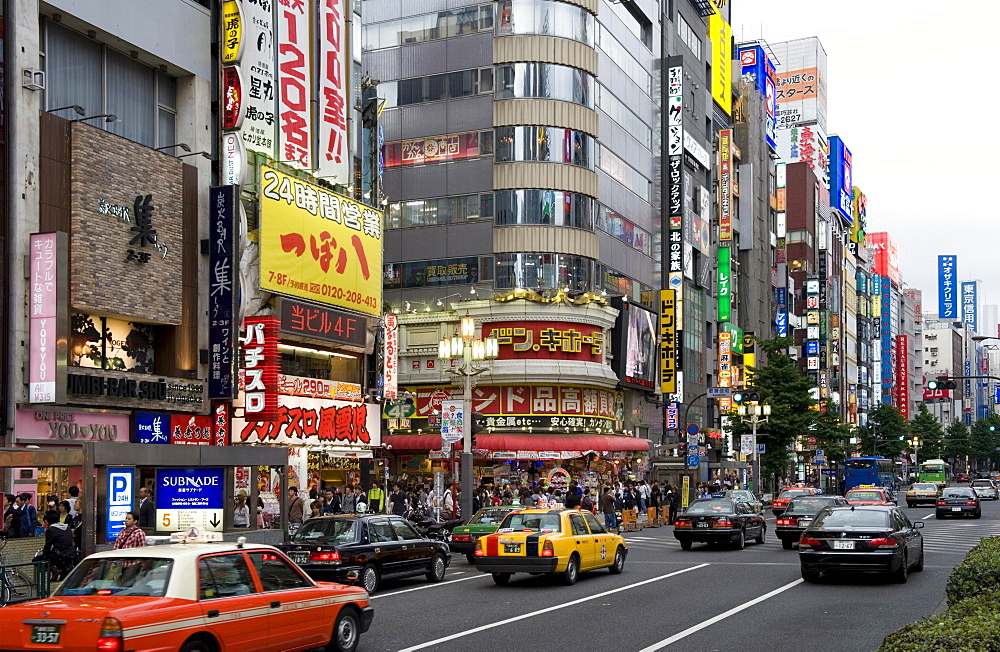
{"x":985,"y":489}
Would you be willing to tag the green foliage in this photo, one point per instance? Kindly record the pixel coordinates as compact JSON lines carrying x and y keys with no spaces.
{"x":956,"y":440}
{"x":978,"y":572}
{"x":880,"y":436}
{"x":831,"y":434}
{"x":926,"y":426}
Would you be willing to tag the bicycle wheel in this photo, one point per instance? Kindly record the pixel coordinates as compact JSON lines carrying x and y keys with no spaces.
{"x":18,"y":588}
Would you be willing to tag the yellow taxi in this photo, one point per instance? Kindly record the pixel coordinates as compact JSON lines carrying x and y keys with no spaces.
{"x":194,"y":595}
{"x":922,"y":493}
{"x":865,"y":494}
{"x":562,"y":542}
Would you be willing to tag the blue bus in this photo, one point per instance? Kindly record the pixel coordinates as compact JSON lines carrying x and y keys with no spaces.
{"x":873,"y":471}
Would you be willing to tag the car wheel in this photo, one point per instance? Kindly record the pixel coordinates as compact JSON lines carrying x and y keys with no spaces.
{"x":197,"y":645}
{"x":741,"y":540}
{"x":901,"y":575}
{"x":619,"y":563}
{"x":471,"y":559}
{"x":939,"y":516}
{"x":760,"y":537}
{"x":346,"y":632}
{"x":919,"y":566}
{"x":810,"y":576}
{"x":369,"y":578}
{"x":438,"y":566}
{"x":572,"y":571}
{"x":501,"y":579}
{"x":910,"y":504}
{"x":786,"y":544}
{"x":685,"y":544}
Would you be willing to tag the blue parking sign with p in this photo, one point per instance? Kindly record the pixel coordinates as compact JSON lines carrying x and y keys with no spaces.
{"x":120,"y":500}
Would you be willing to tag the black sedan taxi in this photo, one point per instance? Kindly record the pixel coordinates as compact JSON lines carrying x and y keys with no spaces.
{"x":376,"y":546}
{"x":799,"y":514}
{"x":958,"y":501}
{"x":866,"y":539}
{"x":719,"y":521}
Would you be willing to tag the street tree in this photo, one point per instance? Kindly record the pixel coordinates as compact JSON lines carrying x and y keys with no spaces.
{"x":831,"y":433}
{"x":885,"y":433}
{"x":928,"y":430}
{"x":956,"y":444}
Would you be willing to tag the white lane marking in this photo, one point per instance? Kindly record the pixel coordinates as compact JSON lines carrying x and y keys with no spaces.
{"x":927,"y":517}
{"x":711,"y":621}
{"x":507,"y":621}
{"x":428,"y":586}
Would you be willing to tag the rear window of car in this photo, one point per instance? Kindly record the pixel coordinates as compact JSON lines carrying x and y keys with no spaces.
{"x":982,"y":483}
{"x":958,"y":493}
{"x":530,"y":523}
{"x":857,"y":518}
{"x":489,"y":516}
{"x":864,"y":495}
{"x":790,"y":493}
{"x":739,"y":495}
{"x":924,"y":487}
{"x":142,"y":576}
{"x":808,"y":504}
{"x":326,"y":530}
{"x":711,"y":507}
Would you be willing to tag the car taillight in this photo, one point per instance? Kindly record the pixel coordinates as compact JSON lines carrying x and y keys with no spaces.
{"x":111,"y":639}
{"x":722,"y":523}
{"x":786,"y":521}
{"x":547,"y":550}
{"x":327,"y":557}
{"x":461,"y":537}
{"x":971,"y":502}
{"x":884,"y":542}
{"x":942,"y":502}
{"x":808,"y":541}
{"x":479,"y":549}
{"x":678,"y":524}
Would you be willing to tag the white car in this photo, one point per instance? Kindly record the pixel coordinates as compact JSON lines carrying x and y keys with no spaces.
{"x":985,"y":489}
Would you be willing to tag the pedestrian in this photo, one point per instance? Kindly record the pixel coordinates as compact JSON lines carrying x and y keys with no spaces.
{"x":147,"y":513}
{"x":296,"y":509}
{"x":11,"y":517}
{"x":74,"y":495}
{"x":62,"y":509}
{"x":131,"y":536}
{"x":77,"y":523}
{"x":376,"y":498}
{"x":654,"y":497}
{"x":316,"y":508}
{"x":349,"y":502}
{"x":587,"y":503}
{"x":675,"y":503}
{"x":608,"y":508}
{"x":29,"y":515}
{"x":449,"y":502}
{"x":331,"y":503}
{"x":241,"y":512}
{"x":573,"y":498}
{"x":397,"y":501}
{"x":60,"y":549}
{"x":642,"y":495}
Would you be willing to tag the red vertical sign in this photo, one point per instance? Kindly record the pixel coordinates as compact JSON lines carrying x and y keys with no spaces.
{"x":902,"y":376}
{"x":260,"y":364}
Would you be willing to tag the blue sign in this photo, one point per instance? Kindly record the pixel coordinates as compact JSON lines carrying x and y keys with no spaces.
{"x":673,"y":411}
{"x":841,"y":180}
{"x":120,"y":497}
{"x":970,"y":310}
{"x":189,"y":488}
{"x":758,"y":67}
{"x":693,"y":429}
{"x":152,"y":428}
{"x":947,"y":301}
{"x":812,"y":347}
{"x":223,"y":285}
{"x":781,"y":324}
{"x":693,"y":460}
{"x":886,"y":336}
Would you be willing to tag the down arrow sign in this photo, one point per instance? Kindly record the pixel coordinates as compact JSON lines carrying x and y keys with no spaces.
{"x":215,"y":521}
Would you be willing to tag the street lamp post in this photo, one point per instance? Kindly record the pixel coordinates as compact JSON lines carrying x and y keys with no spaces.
{"x":471,"y":350}
{"x":754,"y":414}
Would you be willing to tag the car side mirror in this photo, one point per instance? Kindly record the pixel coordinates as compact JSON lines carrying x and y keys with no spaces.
{"x":918,"y":524}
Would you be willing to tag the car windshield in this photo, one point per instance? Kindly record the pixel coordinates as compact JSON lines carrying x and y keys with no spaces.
{"x":924,"y":487}
{"x":848,"y":518}
{"x":808,"y":504}
{"x":864,"y":495}
{"x":138,"y":576}
{"x":327,"y":530}
{"x":958,"y":493}
{"x":530,"y":523}
{"x":711,"y":507}
{"x":489,"y":516}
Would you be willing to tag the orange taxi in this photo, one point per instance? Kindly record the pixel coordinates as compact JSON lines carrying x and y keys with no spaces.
{"x":196,"y":594}
{"x":870,"y":496}
{"x":780,"y":503}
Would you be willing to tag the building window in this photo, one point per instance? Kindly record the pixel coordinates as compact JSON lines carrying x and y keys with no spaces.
{"x":623,"y":229}
{"x":625,"y":174}
{"x":689,"y":36}
{"x":630,"y":122}
{"x":439,"y":210}
{"x":546,"y":207}
{"x":545,"y":18}
{"x":544,"y":144}
{"x":545,"y":81}
{"x":428,"y":27}
{"x":105,"y":81}
{"x":621,"y":57}
{"x":437,"y":149}
{"x":538,"y":271}
{"x":433,"y":273}
{"x":115,"y":344}
{"x":437,"y":88}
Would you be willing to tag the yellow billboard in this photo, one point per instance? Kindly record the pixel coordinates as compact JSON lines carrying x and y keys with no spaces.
{"x":318,"y":245}
{"x":232,"y":32}
{"x":668,"y":341}
{"x":720,"y":34}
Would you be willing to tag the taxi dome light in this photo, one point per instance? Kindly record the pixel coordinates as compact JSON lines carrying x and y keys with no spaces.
{"x":195,"y":535}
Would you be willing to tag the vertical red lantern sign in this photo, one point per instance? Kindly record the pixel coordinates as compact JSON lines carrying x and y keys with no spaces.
{"x":260,"y":364}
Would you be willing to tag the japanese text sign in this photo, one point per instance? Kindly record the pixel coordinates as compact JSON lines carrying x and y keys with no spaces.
{"x":390,"y":377}
{"x":323,"y":323}
{"x":200,"y":488}
{"x":947,"y":276}
{"x":258,"y":68}
{"x":232,"y":31}
{"x":725,"y":185}
{"x":970,"y":313}
{"x":260,"y":365}
{"x":720,"y":34}
{"x":295,"y":84}
{"x":314,"y":421}
{"x":47,"y":316}
{"x":841,"y":179}
{"x":222,"y":291}
{"x":120,"y":497}
{"x":902,"y":384}
{"x":319,"y":245}
{"x":668,"y":341}
{"x":452,"y":421}
{"x":725,"y":280}
{"x":334,"y":89}
{"x":538,"y":340}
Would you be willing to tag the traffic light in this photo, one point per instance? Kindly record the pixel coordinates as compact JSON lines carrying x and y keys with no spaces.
{"x":942,"y":382}
{"x":746,"y":397}
{"x":478,"y":425}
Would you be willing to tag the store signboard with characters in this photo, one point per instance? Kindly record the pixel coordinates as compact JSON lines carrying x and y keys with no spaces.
{"x":305,"y":421}
{"x":540,"y":340}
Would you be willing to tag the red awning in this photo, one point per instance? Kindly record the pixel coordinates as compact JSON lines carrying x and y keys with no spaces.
{"x":503,"y":442}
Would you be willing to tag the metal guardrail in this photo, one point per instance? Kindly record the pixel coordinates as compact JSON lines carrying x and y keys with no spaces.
{"x":23,"y":582}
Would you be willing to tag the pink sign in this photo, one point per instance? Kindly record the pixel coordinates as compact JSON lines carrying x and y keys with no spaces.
{"x":58,"y":427}
{"x":333,"y":95}
{"x":42,"y":304}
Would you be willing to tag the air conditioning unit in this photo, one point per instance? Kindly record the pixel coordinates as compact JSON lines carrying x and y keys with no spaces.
{"x":33,"y":79}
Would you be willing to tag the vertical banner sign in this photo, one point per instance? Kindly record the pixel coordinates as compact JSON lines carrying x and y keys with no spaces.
{"x":452,"y":421}
{"x":234,"y":159}
{"x":334,"y":153}
{"x":970,"y":312}
{"x":719,"y":32}
{"x":841,"y":178}
{"x":947,"y":271}
{"x":232,"y":32}
{"x":675,"y":173}
{"x":295,"y":83}
{"x":260,"y":364}
{"x":120,"y":497}
{"x":886,"y":335}
{"x":668,"y":342}
{"x":390,"y":385}
{"x":258,"y":67}
{"x":749,"y":358}
{"x":673,"y":416}
{"x":903,"y":376}
{"x":725,"y":368}
{"x":220,"y":423}
{"x":47,"y":303}
{"x":232,"y":98}
{"x":725,"y":281}
{"x":222,"y":291}
{"x":725,"y":185}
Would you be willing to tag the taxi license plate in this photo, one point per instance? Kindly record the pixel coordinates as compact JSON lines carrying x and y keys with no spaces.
{"x":804,"y":522}
{"x":45,"y":634}
{"x":512,"y":547}
{"x":956,"y":509}
{"x":843,"y":545}
{"x":300,"y":558}
{"x":701,"y":524}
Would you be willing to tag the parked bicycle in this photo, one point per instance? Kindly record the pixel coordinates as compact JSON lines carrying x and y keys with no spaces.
{"x":14,"y":586}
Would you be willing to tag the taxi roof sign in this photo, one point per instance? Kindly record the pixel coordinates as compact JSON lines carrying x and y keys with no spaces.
{"x":195,"y":535}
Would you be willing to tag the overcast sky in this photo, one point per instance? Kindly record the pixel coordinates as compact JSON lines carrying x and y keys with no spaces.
{"x":912,"y":92}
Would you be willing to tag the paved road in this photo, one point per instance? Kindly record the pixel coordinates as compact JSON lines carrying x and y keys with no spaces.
{"x":701,"y":600}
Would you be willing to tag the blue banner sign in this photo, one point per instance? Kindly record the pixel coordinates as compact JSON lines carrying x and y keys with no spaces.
{"x":970,"y":312}
{"x":947,"y":301}
{"x":120,"y":500}
{"x":189,"y":488}
{"x":152,"y":428}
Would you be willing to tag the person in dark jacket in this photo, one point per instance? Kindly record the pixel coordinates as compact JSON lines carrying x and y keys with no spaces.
{"x":11,"y":518}
{"x":60,"y":548}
